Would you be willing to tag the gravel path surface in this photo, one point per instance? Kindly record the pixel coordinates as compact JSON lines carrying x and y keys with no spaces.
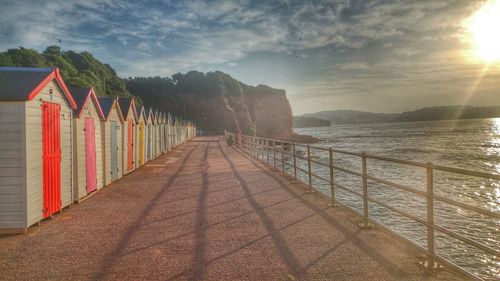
{"x":205,"y":211}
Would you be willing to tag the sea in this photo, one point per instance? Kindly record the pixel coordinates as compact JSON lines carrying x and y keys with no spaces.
{"x":472,"y":144}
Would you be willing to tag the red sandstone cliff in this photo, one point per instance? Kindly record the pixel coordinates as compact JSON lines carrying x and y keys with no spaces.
{"x":216,"y":102}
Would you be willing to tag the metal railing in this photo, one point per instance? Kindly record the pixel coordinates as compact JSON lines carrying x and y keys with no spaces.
{"x":266,"y":150}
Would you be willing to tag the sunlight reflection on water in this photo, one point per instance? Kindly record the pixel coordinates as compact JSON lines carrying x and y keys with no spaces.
{"x":468,"y":144}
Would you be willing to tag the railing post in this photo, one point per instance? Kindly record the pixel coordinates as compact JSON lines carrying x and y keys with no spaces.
{"x":274,"y":154}
{"x":261,"y":150}
{"x":282,"y":157}
{"x":294,"y":162}
{"x":254,"y":143}
{"x":431,"y":263}
{"x":333,"y":203}
{"x":309,"y":170}
{"x":252,"y":146}
{"x":267,"y":151}
{"x":364,"y":175}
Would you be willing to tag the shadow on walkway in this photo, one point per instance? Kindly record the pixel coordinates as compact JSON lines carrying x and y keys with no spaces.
{"x":132,"y":229}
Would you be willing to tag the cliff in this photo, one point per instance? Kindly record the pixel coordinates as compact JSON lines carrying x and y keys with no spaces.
{"x":216,"y":102}
{"x":270,"y":111}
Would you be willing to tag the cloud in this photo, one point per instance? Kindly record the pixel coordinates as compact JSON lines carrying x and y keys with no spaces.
{"x":337,"y":49}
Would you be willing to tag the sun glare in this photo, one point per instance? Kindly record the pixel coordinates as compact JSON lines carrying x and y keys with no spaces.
{"x":484,"y":27}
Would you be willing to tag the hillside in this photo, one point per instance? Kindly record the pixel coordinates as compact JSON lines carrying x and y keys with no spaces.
{"x":307,"y":122}
{"x":423,"y":114}
{"x":449,"y":113}
{"x":215,"y":101}
{"x":352,"y":116}
{"x":77,"y":69}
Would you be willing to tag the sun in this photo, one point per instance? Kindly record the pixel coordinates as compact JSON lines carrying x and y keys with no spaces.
{"x":484,"y":28}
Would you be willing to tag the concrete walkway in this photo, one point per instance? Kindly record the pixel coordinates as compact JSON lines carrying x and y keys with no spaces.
{"x":207,"y":212}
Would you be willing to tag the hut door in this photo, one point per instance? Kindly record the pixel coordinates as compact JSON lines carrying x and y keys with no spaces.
{"x":153,"y":141}
{"x":141,"y":143}
{"x":165,"y":137}
{"x":90,"y":155}
{"x":169,"y":138}
{"x":114,"y":150}
{"x":149,"y":143}
{"x":51,"y":146}
{"x":130,"y":148}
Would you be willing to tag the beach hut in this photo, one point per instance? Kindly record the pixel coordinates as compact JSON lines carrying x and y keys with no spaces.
{"x":168,"y":122}
{"x":178,"y":127}
{"x":127,"y":107}
{"x":165,"y":133}
{"x":161,"y":123}
{"x":112,"y":129}
{"x":140,"y":136}
{"x":87,"y":143}
{"x":157,"y":134}
{"x":183,"y":131}
{"x":36,"y":110}
{"x":190,"y":132}
{"x":162,"y":132}
{"x":174,"y":131}
{"x":169,"y":132}
{"x":150,"y":134}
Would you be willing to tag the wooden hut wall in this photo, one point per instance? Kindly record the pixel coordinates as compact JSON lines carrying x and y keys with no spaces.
{"x":12,"y":165}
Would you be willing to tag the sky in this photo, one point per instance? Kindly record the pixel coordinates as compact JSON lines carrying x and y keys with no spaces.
{"x":378,"y":56}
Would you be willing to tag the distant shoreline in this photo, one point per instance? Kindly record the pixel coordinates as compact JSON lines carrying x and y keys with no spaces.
{"x":393,"y":122}
{"x":437,"y":113}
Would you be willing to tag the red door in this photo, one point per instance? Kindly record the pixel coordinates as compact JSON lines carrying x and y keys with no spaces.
{"x":51,"y":154}
{"x":90,"y":154}
{"x":130,"y":148}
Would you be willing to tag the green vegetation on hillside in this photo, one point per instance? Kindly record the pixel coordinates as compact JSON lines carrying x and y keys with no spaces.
{"x":216,"y":101}
{"x":77,"y":69}
{"x":192,"y":83}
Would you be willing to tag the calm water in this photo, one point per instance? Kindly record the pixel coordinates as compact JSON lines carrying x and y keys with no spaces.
{"x":469,"y":144}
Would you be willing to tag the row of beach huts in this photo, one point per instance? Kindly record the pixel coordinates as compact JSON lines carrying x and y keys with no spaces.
{"x":59,"y":145}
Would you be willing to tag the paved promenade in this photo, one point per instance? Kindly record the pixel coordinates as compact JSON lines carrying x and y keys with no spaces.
{"x":207,"y":212}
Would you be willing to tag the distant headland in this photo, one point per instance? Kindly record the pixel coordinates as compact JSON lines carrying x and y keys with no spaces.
{"x":424,"y":114}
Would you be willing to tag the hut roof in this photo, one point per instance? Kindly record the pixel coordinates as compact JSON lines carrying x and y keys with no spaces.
{"x":150,"y":113}
{"x":138,"y":109}
{"x":106,"y":106}
{"x":125,"y":104}
{"x":81,"y":96}
{"x":24,"y":83}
